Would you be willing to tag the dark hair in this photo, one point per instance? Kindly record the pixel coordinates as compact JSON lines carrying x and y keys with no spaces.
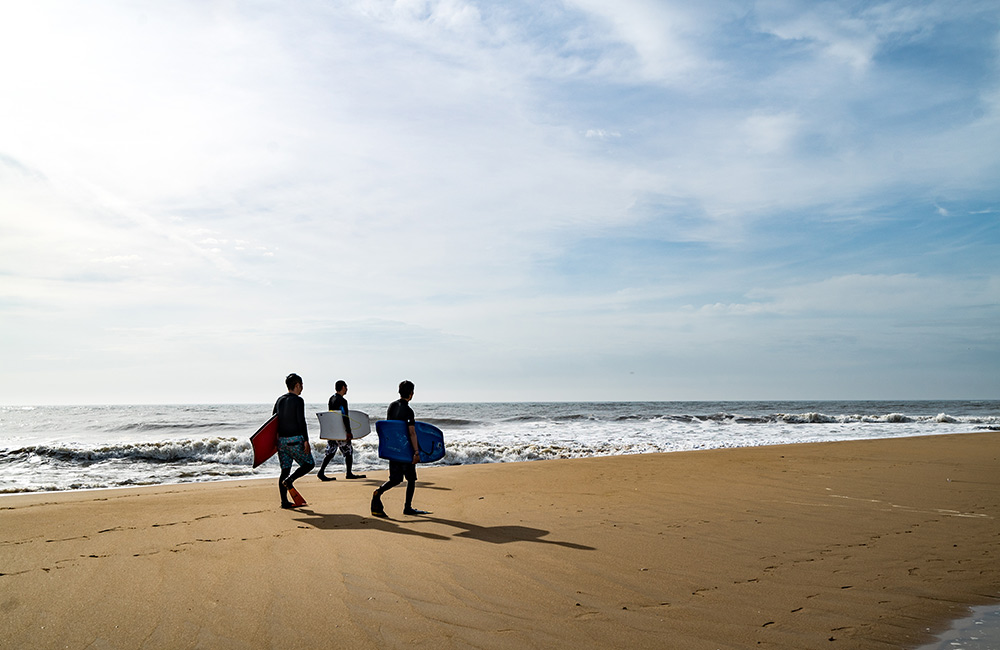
{"x":291,"y":380}
{"x":340,"y":384}
{"x":405,"y":388}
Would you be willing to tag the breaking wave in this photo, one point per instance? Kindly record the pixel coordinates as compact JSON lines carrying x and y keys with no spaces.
{"x":66,"y":448}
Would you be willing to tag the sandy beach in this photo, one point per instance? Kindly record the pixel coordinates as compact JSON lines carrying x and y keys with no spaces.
{"x":861,"y":544}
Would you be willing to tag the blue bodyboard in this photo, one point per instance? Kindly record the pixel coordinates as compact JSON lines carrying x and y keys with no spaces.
{"x":394,"y":441}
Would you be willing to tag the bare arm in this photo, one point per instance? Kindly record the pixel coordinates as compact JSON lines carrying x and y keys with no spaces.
{"x":413,"y":441}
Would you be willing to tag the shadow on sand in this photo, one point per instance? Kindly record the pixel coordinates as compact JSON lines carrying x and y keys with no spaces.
{"x":357,"y":522}
{"x":489,"y":534}
{"x":504,"y":534}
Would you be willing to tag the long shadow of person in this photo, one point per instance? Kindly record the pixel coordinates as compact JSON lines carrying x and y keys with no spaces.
{"x":490,"y":534}
{"x":356,"y":522}
{"x":504,"y":534}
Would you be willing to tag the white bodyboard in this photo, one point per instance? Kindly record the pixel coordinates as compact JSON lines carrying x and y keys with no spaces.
{"x":331,"y":425}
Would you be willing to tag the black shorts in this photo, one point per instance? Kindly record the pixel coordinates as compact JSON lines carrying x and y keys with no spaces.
{"x":398,"y":471}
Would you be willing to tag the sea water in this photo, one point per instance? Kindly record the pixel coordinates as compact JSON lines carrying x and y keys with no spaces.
{"x":83,"y":447}
{"x":979,"y":631}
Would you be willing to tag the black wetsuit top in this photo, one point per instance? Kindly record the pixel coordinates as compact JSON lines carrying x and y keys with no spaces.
{"x":291,"y":410}
{"x":400,"y":410}
{"x":339,"y":403}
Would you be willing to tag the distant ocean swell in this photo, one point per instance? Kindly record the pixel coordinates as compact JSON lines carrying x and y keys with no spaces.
{"x":989,"y":422}
{"x":171,"y":426}
{"x":819,"y":418}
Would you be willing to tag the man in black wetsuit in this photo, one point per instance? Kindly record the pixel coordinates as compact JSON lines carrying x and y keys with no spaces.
{"x":400,"y":410}
{"x":293,"y":437}
{"x":338,"y":402}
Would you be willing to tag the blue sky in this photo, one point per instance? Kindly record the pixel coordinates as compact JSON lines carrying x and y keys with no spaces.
{"x":575,"y":200}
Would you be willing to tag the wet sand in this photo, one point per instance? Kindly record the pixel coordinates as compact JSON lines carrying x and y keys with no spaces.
{"x":861,"y":544}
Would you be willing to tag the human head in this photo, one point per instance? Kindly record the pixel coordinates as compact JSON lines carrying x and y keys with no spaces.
{"x":406,"y":389}
{"x":291,"y":380}
{"x":341,"y":385}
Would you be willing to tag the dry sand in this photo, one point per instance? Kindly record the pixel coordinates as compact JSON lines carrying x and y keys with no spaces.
{"x":863,"y":544}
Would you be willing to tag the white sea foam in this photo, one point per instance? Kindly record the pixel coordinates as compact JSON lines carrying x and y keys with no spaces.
{"x":59,"y":448}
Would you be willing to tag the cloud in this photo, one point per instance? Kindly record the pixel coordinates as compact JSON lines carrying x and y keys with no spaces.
{"x":485,"y":188}
{"x":656,"y":35}
{"x":838,"y":34}
{"x":892,"y":296}
{"x":601,"y":134}
{"x":852,"y":36}
{"x":768,"y":134}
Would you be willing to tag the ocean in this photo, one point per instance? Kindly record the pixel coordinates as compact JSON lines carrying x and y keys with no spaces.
{"x":45,"y":448}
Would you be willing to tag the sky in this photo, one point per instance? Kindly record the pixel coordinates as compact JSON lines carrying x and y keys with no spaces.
{"x":515,"y":201}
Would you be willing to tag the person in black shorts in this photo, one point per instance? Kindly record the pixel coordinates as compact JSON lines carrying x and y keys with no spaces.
{"x":338,"y":402}
{"x":400,"y":410}
{"x":293,"y":437}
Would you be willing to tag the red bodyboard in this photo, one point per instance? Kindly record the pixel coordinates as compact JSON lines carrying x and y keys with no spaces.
{"x":265,"y":441}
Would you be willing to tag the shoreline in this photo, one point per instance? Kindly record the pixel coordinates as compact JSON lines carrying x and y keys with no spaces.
{"x":86,"y":447}
{"x":856,"y":544}
{"x":338,"y":466}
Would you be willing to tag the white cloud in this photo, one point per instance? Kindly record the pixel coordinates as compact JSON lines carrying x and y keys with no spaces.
{"x":602,"y":134}
{"x":659,"y":36}
{"x":198,"y":180}
{"x":124,"y":261}
{"x":841,"y":34}
{"x":853,"y":35}
{"x":771,"y":133}
{"x":903,"y":295}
